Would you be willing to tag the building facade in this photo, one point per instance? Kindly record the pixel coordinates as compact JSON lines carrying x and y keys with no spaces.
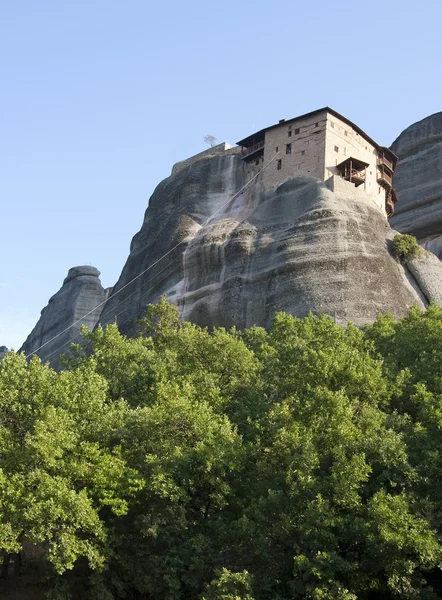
{"x":325,"y":145}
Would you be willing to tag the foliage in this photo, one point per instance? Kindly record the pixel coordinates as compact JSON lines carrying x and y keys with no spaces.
{"x":210,"y":139}
{"x":299,"y":462}
{"x":405,"y":246}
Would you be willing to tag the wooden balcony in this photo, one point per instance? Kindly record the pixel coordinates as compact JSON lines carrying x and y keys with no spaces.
{"x":253,"y":151}
{"x":389,"y":208}
{"x":384,"y":179}
{"x":354,"y":176}
{"x":390,"y":200}
{"x":353,"y":170}
{"x":383,"y":161}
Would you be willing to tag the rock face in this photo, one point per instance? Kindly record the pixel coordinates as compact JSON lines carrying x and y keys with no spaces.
{"x":3,"y":351}
{"x":80,"y":293}
{"x":238,"y":259}
{"x":427,"y":271}
{"x":418,"y":181}
{"x":229,"y":253}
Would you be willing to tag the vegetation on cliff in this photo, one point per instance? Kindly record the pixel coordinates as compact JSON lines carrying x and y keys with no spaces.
{"x":302,"y":462}
{"x":406,"y":247}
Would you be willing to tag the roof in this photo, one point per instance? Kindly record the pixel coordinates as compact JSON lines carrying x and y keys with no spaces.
{"x":356,"y":162}
{"x":255,"y":137}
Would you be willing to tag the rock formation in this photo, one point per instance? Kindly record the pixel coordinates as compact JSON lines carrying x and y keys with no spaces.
{"x":418,"y":181}
{"x":301,"y":247}
{"x":80,"y":293}
{"x":3,"y":351}
{"x":232,"y":254}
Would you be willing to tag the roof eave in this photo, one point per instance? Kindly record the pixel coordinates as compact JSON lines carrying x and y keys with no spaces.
{"x":326,"y":109}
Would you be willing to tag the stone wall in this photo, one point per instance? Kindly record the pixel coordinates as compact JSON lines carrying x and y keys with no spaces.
{"x":313,"y":147}
{"x":349,"y":142}
{"x":214,"y":151}
{"x":300,"y":146}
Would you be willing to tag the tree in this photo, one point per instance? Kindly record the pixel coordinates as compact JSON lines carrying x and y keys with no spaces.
{"x":405,"y":246}
{"x":188,"y":464}
{"x":59,"y":474}
{"x":210,"y":139}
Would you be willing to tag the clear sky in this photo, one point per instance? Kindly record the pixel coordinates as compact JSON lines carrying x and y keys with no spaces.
{"x":98,"y":99}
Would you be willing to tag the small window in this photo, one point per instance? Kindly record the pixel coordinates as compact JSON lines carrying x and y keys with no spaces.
{"x":302,"y":152}
{"x":289,"y":133}
{"x":257,"y":161}
{"x":316,"y":124}
{"x":277,"y":149}
{"x":288,"y":148}
{"x":336,"y":149}
{"x":345,"y":133}
{"x":297,"y":131}
{"x":379,"y":190}
{"x":279,"y":164}
{"x":332,"y":124}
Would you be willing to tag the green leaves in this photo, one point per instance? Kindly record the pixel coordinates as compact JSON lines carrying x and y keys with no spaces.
{"x":57,"y":475}
{"x":405,"y":246}
{"x":300,"y":462}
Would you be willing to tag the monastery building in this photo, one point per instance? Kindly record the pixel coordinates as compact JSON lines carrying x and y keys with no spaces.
{"x":325,"y":145}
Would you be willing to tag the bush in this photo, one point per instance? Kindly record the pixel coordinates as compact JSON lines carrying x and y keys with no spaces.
{"x":406,"y":247}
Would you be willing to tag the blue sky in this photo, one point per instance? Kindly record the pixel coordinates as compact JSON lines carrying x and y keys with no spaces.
{"x":98,"y":99}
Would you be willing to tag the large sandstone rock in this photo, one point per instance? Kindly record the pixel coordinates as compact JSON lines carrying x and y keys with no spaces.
{"x":418,"y":181}
{"x":80,"y":293}
{"x":228,"y":255}
{"x":301,"y":247}
{"x":427,"y":271}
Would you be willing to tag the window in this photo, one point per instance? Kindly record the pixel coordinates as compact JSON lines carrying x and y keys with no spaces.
{"x":257,"y":161}
{"x":289,"y":133}
{"x":332,"y":124}
{"x":288,"y":148}
{"x":345,"y":133}
{"x":279,"y":164}
{"x":297,"y":131}
{"x":277,"y":149}
{"x":336,"y":149}
{"x":316,"y":124}
{"x":302,"y":152}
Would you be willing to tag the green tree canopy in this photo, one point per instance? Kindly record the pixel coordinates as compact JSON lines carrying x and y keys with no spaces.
{"x":300,"y":462}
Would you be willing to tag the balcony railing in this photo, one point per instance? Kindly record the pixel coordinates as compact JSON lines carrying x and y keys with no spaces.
{"x":252,"y":149}
{"x":384,"y":179}
{"x":384,"y":162}
{"x":355,"y":176}
{"x":389,"y":207}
